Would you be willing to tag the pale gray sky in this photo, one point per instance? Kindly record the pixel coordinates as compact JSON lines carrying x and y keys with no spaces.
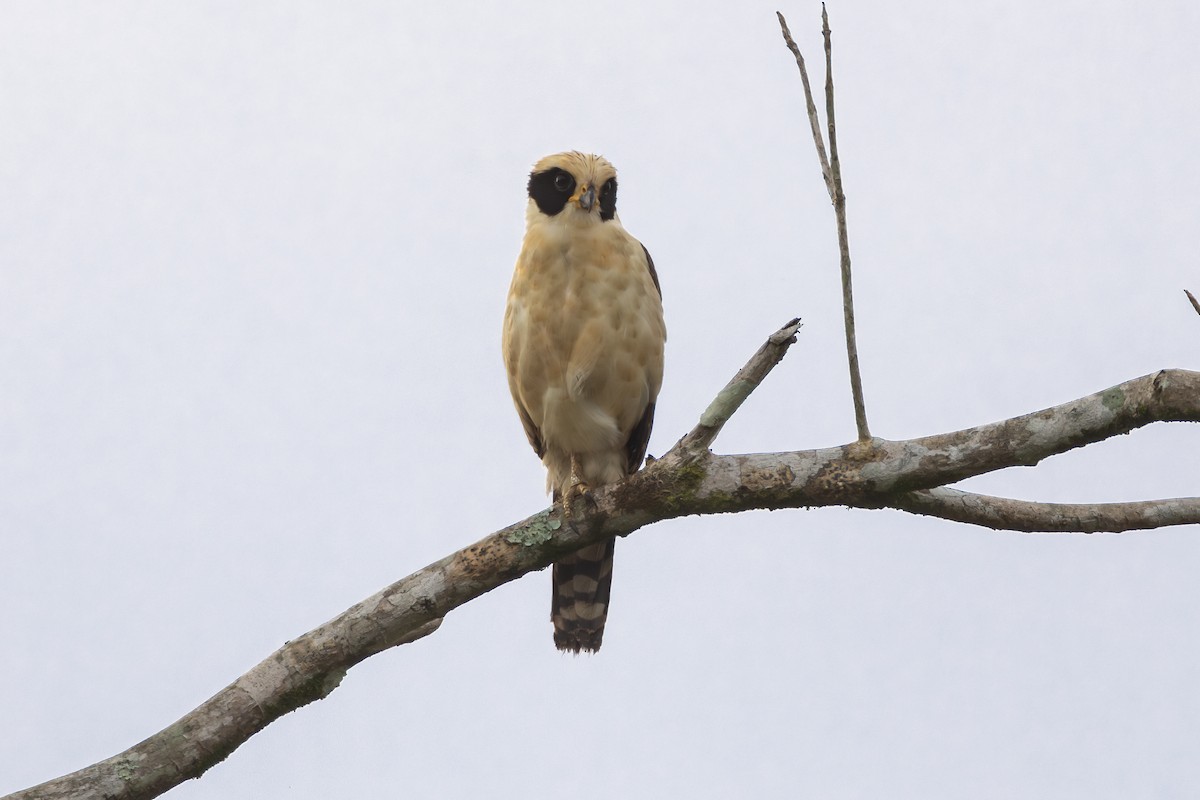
{"x":253,"y":260}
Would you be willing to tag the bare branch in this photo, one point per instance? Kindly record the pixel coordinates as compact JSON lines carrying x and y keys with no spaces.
{"x":875,"y":477}
{"x":1002,"y":513}
{"x":739,"y":388}
{"x":301,"y":671}
{"x":680,"y":483}
{"x":832,"y":171}
{"x":1195,"y":302}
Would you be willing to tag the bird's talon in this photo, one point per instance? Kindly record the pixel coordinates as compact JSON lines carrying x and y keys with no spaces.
{"x":576,"y":490}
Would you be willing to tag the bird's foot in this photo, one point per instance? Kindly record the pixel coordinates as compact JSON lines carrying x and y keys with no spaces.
{"x":576,"y":491}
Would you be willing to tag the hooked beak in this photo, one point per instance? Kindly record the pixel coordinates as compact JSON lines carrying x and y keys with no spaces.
{"x":588,"y":198}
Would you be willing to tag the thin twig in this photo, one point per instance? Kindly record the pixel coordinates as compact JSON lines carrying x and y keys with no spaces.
{"x":739,"y":388}
{"x":813,"y":121}
{"x":831,"y":170}
{"x":839,"y":208}
{"x":1195,"y":302}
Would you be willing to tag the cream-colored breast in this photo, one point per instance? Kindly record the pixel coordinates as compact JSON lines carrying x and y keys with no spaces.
{"x":584,"y":334}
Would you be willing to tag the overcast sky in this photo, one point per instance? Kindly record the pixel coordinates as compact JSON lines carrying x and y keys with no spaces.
{"x":253,"y":261}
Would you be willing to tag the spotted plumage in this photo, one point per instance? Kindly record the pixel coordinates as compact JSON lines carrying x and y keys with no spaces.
{"x":583,"y":347}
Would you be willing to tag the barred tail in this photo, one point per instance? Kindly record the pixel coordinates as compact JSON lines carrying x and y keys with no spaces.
{"x":579,"y":606}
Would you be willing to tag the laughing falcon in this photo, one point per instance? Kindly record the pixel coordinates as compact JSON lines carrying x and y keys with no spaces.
{"x":583,"y":347}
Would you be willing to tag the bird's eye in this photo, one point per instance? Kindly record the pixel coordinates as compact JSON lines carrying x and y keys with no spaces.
{"x":563,"y":182}
{"x":609,"y":187}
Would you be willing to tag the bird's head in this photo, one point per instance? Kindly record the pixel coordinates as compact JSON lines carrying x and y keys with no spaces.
{"x":574,"y":187}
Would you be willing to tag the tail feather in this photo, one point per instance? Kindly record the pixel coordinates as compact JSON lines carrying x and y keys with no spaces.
{"x":579,"y":607}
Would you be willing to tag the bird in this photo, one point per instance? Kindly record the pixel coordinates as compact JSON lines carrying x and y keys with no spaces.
{"x":583,"y":343}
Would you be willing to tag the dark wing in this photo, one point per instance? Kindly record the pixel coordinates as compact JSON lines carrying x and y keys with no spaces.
{"x":639,"y":437}
{"x":535,"y":436}
{"x":653,"y":273}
